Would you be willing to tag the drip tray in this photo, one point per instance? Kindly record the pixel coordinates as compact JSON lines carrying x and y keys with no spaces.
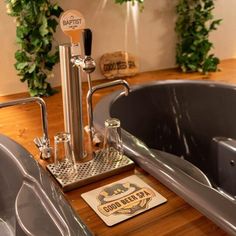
{"x":88,"y":172}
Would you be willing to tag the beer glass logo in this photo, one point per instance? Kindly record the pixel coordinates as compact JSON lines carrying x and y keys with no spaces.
{"x":127,"y":198}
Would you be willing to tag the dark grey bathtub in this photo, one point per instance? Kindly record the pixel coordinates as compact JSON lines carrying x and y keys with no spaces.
{"x":30,"y":203}
{"x":183,"y":133}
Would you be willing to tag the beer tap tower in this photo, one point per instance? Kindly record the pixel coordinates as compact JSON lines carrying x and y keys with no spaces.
{"x":90,"y":166}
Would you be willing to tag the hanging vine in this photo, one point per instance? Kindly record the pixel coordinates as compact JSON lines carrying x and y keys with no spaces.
{"x":194,"y":24}
{"x":36,"y":21}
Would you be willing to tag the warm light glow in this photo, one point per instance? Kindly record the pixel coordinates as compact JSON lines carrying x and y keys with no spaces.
{"x":102,"y":4}
{"x":128,"y":5}
{"x":132,"y":8}
{"x":135,"y":17}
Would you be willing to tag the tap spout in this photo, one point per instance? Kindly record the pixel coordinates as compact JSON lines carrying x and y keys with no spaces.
{"x":90,"y":93}
{"x":44,"y":145}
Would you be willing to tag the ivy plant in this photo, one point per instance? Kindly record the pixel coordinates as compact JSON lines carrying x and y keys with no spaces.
{"x":36,"y":21}
{"x":194,"y":23}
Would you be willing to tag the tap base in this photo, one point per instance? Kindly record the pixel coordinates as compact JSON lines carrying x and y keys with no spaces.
{"x":98,"y":168}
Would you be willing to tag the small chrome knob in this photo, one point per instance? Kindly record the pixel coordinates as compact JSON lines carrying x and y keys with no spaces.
{"x":89,"y":65}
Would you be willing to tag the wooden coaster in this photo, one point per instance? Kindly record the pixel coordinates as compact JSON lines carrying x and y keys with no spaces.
{"x":123,"y":199}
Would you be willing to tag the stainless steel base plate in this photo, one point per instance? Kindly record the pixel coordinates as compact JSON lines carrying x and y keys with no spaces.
{"x":84,"y":173}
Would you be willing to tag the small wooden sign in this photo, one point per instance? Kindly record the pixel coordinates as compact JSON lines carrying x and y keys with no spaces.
{"x":119,"y":64}
{"x":123,"y":199}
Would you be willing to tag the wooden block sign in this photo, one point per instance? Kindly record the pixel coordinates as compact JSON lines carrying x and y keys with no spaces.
{"x":119,"y":64}
{"x":123,"y":199}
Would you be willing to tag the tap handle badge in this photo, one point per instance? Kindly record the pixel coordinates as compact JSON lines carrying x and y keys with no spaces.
{"x":87,"y":42}
{"x":72,"y":23}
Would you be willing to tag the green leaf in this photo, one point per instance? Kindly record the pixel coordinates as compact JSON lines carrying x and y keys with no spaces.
{"x":56,"y":10}
{"x":35,"y":41}
{"x":46,"y":41}
{"x":26,"y":77}
{"x":21,"y":31}
{"x":36,"y":83}
{"x":32,"y":68}
{"x":21,"y":65}
{"x":214,"y":24}
{"x":52,"y":23}
{"x":43,"y":30}
{"x":17,"y":8}
{"x":33,"y":92}
{"x":51,"y":60}
{"x":21,"y":56}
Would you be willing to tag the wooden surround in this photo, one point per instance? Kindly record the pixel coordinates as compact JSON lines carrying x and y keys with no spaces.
{"x":176,"y":217}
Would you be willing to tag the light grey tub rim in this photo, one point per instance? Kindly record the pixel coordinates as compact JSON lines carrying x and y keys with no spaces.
{"x":203,"y":197}
{"x":47,"y":194}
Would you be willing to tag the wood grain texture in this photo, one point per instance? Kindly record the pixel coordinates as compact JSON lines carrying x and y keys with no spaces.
{"x":176,"y":217}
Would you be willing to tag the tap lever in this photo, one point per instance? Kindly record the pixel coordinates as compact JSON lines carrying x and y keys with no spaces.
{"x":38,"y":142}
{"x":87,"y":64}
{"x":43,"y":145}
{"x":87,"y":36}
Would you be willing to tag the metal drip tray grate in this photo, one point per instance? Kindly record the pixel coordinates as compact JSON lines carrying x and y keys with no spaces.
{"x":98,"y":168}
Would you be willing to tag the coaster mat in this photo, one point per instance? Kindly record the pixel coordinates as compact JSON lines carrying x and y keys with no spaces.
{"x":123,"y":199}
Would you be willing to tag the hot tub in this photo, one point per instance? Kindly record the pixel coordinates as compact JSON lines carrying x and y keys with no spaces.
{"x":30,"y":202}
{"x":183,"y":133}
